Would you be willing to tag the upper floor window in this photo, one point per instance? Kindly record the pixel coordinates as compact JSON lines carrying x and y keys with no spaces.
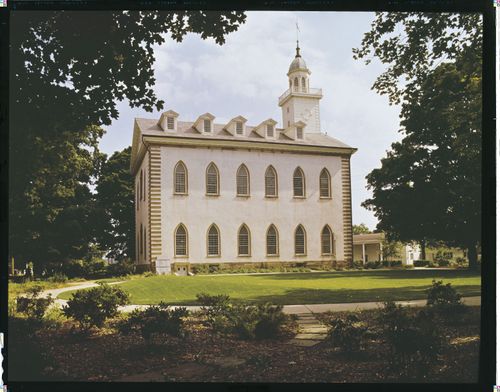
{"x":239,"y":127}
{"x":300,"y":241}
{"x":242,"y":181}
{"x":324,"y":184}
{"x":213,"y":241}
{"x":170,"y":122}
{"x":212,"y":179}
{"x":303,"y":85}
{"x":270,"y":130}
{"x":272,"y":241}
{"x":207,"y":125}
{"x":296,"y":84}
{"x":298,"y":183}
{"x":180,"y":178}
{"x":326,"y":241}
{"x":300,"y":133}
{"x":244,"y":241}
{"x":271,"y":182}
{"x":181,"y":241}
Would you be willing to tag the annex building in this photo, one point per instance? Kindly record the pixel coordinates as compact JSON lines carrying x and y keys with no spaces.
{"x":237,"y":193}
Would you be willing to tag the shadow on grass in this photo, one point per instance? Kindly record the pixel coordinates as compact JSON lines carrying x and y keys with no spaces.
{"x":325,"y":296}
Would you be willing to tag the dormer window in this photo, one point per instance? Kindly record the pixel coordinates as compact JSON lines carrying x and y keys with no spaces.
{"x":239,"y":128}
{"x":170,"y":123}
{"x":270,"y":130}
{"x":300,"y":133}
{"x":206,"y":125}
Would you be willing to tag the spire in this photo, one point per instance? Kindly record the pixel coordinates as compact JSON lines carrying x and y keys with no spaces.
{"x":298,"y":50}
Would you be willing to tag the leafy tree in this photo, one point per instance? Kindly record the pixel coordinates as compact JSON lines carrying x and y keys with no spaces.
{"x":115,"y":205}
{"x":428,"y":187}
{"x":69,"y":69}
{"x":360,"y":229}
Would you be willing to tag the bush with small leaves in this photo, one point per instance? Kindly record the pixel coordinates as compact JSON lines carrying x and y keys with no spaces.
{"x":92,"y":307}
{"x":214,"y":309}
{"x":421,"y":263}
{"x":32,"y":305}
{"x":58,"y":277}
{"x":121,"y":268}
{"x":444,"y":300}
{"x":155,"y":320}
{"x":347,"y":333}
{"x":372,"y":265}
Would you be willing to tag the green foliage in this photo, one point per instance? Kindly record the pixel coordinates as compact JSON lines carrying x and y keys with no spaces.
{"x":360,"y":229}
{"x":372,"y":265}
{"x":155,"y":320}
{"x":91,"y":308}
{"x":32,"y":305}
{"x":443,"y":257}
{"x":58,"y":277}
{"x":122,"y":268}
{"x":347,"y":332}
{"x":95,"y":268}
{"x":421,"y":263}
{"x":444,"y":300}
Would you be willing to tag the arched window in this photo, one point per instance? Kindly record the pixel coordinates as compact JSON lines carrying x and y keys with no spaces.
{"x":298,"y":183}
{"x":145,"y":246}
{"x":303,"y":85}
{"x":244,"y":241}
{"x":290,"y":82}
{"x":300,"y":241}
{"x":296,"y":84}
{"x":271,"y":182}
{"x":272,"y":241}
{"x":324,"y":184}
{"x":213,"y":241}
{"x":326,"y":241}
{"x":180,"y":179}
{"x":142,"y":185}
{"x":242,"y":181}
{"x":181,"y":241}
{"x":141,"y":241}
{"x":212,"y":179}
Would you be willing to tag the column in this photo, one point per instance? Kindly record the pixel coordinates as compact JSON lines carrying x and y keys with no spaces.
{"x":363,"y":247}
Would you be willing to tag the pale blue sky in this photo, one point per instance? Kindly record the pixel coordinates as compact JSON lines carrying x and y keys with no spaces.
{"x":248,"y":74}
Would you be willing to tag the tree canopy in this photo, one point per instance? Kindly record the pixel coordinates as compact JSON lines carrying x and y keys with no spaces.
{"x":360,"y":229}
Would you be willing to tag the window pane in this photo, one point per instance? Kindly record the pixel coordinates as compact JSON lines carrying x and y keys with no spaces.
{"x":272,"y":242}
{"x":326,"y":241}
{"x":243,"y":243}
{"x":212,"y":181}
{"x":206,"y":125}
{"x":181,"y":242}
{"x":300,"y":133}
{"x":300,"y":241}
{"x":324,"y":184}
{"x":213,"y":242}
{"x":239,"y":127}
{"x":270,"y":182}
{"x":242,"y":181}
{"x":180,"y":179}
{"x":298,"y":183}
{"x":269,"y":130}
{"x":170,"y":122}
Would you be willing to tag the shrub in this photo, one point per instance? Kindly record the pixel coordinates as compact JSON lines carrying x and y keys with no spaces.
{"x":32,"y":305}
{"x":95,"y":268}
{"x":357,"y":264}
{"x":215,"y":310}
{"x":421,"y":263}
{"x":200,"y":269}
{"x":73,"y":269}
{"x":395,"y":263}
{"x":58,"y":277}
{"x":155,"y":320}
{"x":372,"y":265}
{"x":91,"y":308}
{"x":121,"y":268}
{"x":347,"y":332}
{"x":270,"y":319}
{"x":445,"y":301}
{"x":461,"y":262}
{"x":213,"y":268}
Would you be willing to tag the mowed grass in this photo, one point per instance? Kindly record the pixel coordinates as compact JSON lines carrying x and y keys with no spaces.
{"x":299,"y":288}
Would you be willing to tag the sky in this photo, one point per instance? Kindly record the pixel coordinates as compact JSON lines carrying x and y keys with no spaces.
{"x":247,"y":74}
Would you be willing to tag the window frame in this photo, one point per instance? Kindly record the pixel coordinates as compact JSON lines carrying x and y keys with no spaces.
{"x":303,"y":176}
{"x":205,"y":125}
{"x":218,"y":241}
{"x":330,"y":232}
{"x":301,"y":131}
{"x":244,"y":167}
{"x":212,"y":164}
{"x":171,"y":119}
{"x":272,"y":226}
{"x":249,"y":241}
{"x":181,"y":164}
{"x":270,"y":130}
{"x":271,"y":167}
{"x":237,"y":131}
{"x":179,"y":226}
{"x":329,"y":178}
{"x":295,"y":241}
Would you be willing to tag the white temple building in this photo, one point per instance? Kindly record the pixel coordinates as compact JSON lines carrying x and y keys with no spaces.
{"x":237,"y":193}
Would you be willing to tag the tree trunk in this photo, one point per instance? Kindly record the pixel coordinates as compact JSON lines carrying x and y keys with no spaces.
{"x":422,"y":250}
{"x":472,"y":256}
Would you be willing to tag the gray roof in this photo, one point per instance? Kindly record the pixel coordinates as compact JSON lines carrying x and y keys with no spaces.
{"x":297,"y":63}
{"x":185,"y":129}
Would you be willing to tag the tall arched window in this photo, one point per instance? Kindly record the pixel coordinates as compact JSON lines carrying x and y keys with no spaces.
{"x":324,"y":184}
{"x":212,"y":179}
{"x":213,"y":241}
{"x":300,"y":241}
{"x":145,"y":246}
{"x":242,"y":181}
{"x":244,"y":241}
{"x":271,"y":182}
{"x":181,"y":241}
{"x":299,"y":183}
{"x":272,"y":241}
{"x":180,"y":178}
{"x":142,"y":185}
{"x":296,"y":84}
{"x":303,"y":85}
{"x":326,"y":241}
{"x":141,"y":240}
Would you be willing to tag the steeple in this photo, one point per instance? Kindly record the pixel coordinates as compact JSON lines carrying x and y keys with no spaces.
{"x":298,"y":50}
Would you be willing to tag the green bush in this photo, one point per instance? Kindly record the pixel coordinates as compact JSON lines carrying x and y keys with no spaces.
{"x":445,"y":301}
{"x":270,"y":320}
{"x":421,"y":263}
{"x":213,"y":268}
{"x":58,"y":277}
{"x":461,"y":262}
{"x":33,"y":306}
{"x":121,"y":268}
{"x":73,"y":269}
{"x":92,"y":307}
{"x":357,"y":264}
{"x":200,"y":269}
{"x":95,"y":268}
{"x":372,"y":265}
{"x":155,"y":320}
{"x":347,"y":333}
{"x":215,"y":309}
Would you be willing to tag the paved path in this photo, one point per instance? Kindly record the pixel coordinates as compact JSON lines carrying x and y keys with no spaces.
{"x":289,"y":309}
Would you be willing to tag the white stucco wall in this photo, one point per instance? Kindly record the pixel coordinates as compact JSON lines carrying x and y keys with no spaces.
{"x":198,"y":211}
{"x":304,"y":109}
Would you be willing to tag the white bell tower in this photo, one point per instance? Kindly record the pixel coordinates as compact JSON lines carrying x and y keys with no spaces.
{"x":300,"y":102}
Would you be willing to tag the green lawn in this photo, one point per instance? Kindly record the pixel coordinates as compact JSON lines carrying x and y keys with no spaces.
{"x":299,"y":288}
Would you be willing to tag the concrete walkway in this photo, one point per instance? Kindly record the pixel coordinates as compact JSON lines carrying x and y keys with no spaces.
{"x":289,"y":309}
